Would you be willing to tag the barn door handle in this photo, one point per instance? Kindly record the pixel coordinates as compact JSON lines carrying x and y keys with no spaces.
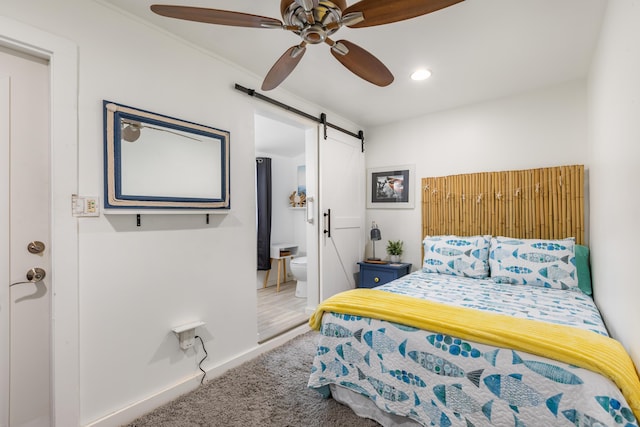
{"x":309,"y":211}
{"x":327,"y":231}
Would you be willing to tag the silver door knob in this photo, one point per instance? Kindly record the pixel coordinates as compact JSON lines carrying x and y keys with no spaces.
{"x":36,"y":247}
{"x":36,"y":274}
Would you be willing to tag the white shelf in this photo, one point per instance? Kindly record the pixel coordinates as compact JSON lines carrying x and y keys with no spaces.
{"x":165,"y":212}
{"x":188,"y":326}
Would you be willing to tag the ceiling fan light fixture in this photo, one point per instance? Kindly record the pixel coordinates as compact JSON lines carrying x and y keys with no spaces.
{"x":314,"y":34}
{"x":421,"y":74}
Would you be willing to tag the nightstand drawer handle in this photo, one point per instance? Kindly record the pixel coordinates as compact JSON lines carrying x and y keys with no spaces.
{"x":376,"y":279}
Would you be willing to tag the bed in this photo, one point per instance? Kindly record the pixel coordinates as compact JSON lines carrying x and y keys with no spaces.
{"x":491,"y":330}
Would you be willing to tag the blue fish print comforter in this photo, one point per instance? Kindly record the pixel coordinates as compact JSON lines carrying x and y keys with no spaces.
{"x":441,"y":380}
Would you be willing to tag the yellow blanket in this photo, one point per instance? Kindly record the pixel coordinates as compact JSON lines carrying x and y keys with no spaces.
{"x":575,"y":346}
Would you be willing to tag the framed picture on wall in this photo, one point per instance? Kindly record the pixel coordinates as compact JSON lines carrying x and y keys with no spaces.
{"x":390,"y":187}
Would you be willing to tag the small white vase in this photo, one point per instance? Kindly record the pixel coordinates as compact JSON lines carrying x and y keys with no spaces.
{"x":394,"y":258}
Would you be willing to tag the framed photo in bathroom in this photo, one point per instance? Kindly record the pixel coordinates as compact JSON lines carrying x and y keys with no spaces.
{"x":390,"y":187}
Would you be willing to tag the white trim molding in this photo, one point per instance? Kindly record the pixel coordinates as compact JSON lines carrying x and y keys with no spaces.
{"x":62,"y":55}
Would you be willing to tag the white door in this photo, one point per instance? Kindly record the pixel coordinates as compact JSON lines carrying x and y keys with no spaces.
{"x":342,"y":208}
{"x":25,"y":219}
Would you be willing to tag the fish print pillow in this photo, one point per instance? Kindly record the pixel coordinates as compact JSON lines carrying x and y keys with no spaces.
{"x":546,"y":263}
{"x":456,"y":255}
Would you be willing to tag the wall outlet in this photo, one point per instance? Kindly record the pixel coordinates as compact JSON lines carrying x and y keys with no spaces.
{"x":187,"y":334}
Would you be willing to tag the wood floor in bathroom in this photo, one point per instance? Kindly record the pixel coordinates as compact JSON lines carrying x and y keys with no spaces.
{"x":279,"y":312}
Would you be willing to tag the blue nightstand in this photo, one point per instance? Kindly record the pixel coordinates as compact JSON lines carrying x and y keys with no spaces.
{"x":372,"y":275}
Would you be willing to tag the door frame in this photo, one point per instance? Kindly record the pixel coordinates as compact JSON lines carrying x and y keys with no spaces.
{"x":312,"y":137}
{"x":4,"y":251}
{"x":63,"y":71}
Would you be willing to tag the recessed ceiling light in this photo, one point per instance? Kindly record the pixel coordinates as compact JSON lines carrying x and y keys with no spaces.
{"x":421,"y":74}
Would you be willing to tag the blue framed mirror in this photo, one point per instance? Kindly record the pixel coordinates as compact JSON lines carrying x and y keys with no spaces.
{"x":154,"y":161}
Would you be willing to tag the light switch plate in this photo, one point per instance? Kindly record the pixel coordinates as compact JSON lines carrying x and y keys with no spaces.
{"x":85,"y":205}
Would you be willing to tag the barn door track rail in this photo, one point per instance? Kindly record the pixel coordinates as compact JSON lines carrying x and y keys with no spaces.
{"x":322,"y":119}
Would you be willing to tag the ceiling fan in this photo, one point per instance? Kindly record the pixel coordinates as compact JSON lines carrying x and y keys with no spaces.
{"x":314,"y":21}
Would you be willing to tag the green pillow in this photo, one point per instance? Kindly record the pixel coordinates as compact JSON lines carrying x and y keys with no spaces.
{"x":582,"y":266}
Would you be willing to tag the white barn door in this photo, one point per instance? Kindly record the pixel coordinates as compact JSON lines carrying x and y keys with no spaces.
{"x":342,"y":208}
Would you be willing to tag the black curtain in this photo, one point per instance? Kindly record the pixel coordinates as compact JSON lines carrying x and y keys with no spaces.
{"x":263,"y":174}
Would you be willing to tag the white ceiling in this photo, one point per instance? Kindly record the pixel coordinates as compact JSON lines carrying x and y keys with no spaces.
{"x":477,"y":50}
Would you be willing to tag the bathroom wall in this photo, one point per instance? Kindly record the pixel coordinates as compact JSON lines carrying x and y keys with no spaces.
{"x":298,"y":220}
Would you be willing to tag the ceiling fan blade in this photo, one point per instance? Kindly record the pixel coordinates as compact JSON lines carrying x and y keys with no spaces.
{"x":379,"y":12}
{"x":342,"y":4}
{"x":361,"y":63}
{"x":216,"y":16}
{"x":284,"y":66}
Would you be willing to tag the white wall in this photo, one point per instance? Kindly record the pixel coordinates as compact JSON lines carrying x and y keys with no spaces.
{"x":614,"y":99}
{"x":136,"y":283}
{"x":544,"y":128}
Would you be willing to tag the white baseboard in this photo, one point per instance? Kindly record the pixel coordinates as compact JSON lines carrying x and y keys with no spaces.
{"x":135,"y":410}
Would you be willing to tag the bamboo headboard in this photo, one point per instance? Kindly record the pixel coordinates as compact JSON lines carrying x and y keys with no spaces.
{"x":546,"y":203}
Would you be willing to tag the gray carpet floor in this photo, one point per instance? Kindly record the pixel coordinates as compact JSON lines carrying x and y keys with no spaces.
{"x":270,"y":390}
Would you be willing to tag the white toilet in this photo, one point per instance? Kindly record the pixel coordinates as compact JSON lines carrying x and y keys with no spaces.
{"x":299,"y":271}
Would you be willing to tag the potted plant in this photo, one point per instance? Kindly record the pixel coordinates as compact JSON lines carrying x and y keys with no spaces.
{"x":394,"y":249}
